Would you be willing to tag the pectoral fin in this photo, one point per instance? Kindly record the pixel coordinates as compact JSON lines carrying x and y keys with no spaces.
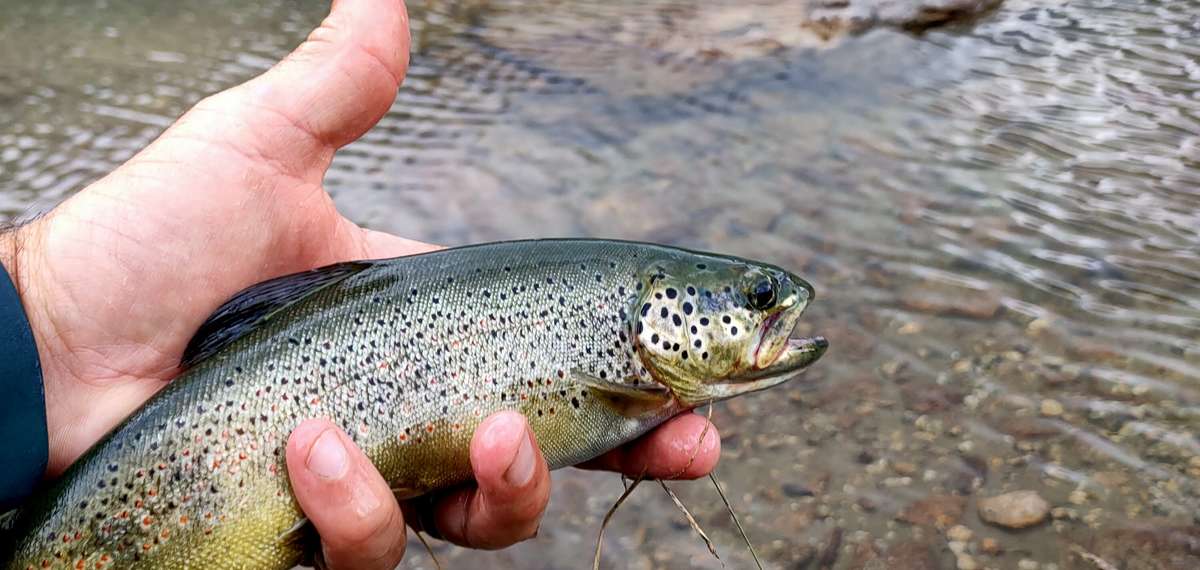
{"x":626,"y":399}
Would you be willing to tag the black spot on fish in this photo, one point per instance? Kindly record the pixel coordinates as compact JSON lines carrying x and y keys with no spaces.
{"x":666,"y":345}
{"x":654,"y":338}
{"x":645,"y":309}
{"x":703,"y":321}
{"x":664,"y":312}
{"x":687,"y":308}
{"x":704,"y":356}
{"x":732,"y":331}
{"x":685,"y":355}
{"x":725,"y":319}
{"x":696,"y":343}
{"x":671,"y":293}
{"x":678,"y":321}
{"x":701,"y":266}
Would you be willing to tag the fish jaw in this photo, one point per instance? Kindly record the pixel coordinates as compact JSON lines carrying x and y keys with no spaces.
{"x":795,"y":355}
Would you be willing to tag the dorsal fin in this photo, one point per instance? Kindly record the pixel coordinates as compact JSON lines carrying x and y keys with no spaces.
{"x":252,"y":307}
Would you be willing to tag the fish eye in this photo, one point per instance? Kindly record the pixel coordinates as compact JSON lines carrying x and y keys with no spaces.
{"x":762,"y":294}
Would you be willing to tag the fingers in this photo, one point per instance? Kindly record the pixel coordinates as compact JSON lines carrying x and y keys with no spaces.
{"x":513,"y":488}
{"x":348,"y":502}
{"x":674,"y":450}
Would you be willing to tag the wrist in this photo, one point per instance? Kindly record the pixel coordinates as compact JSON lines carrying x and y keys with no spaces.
{"x":23,"y":425}
{"x":18,"y":256}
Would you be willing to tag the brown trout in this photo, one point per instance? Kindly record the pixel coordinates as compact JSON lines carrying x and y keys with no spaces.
{"x":594,"y":341}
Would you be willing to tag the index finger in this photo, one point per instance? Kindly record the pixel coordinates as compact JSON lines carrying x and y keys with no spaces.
{"x":673,"y":450}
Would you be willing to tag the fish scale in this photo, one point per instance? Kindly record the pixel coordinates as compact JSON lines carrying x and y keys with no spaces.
{"x":408,"y":356}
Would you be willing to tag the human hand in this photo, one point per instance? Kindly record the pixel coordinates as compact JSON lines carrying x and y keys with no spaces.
{"x":117,"y":278}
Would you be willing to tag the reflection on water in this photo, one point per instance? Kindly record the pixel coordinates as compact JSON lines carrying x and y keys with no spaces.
{"x":1001,"y":219}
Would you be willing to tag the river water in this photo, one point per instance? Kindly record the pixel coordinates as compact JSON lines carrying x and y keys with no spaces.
{"x":1001,"y":217}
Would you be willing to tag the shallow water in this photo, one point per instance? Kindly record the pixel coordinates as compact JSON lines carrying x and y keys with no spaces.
{"x":1001,"y":218}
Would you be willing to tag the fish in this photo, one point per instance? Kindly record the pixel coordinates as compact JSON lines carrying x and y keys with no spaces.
{"x":594,"y":341}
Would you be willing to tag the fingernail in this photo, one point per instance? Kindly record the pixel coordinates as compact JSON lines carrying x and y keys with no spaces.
{"x":521,"y":470}
{"x":327,"y":459}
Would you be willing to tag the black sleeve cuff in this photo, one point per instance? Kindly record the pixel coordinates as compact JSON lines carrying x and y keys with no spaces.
{"x":24,"y":444}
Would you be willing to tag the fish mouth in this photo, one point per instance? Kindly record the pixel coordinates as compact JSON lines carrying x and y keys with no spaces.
{"x":792,"y":355}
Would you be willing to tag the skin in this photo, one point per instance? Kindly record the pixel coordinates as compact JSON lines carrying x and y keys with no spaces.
{"x":116,"y":279}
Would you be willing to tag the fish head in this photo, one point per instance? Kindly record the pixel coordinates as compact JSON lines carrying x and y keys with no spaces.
{"x":715,"y":327}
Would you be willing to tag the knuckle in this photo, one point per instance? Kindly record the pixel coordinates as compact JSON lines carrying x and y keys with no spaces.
{"x":372,"y":534}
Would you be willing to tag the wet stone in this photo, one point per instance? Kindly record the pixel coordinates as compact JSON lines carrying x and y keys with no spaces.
{"x":1144,"y":546}
{"x":960,"y":303}
{"x":907,"y":555}
{"x":796,"y":490}
{"x":1018,"y":509}
{"x":940,"y":511}
{"x":924,"y":398}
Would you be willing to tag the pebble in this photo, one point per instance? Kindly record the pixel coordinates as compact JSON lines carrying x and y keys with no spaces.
{"x":1078,"y":497}
{"x":968,"y":303}
{"x":990,"y":546}
{"x":795,"y":490}
{"x":960,"y":533}
{"x":904,"y":468}
{"x":1027,"y":564}
{"x":1051,"y":408}
{"x":941,"y":511}
{"x":1018,"y":509}
{"x":965,"y":562}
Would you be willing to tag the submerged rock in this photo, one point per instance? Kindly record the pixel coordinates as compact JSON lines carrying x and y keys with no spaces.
{"x":1144,"y":546}
{"x":941,"y":511}
{"x":1018,"y":509}
{"x":857,"y":15}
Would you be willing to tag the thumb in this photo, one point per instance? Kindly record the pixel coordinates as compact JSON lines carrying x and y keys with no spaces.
{"x":324,"y":95}
{"x":344,"y":77}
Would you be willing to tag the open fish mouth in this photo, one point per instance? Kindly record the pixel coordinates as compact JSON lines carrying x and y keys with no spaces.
{"x":793,"y":355}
